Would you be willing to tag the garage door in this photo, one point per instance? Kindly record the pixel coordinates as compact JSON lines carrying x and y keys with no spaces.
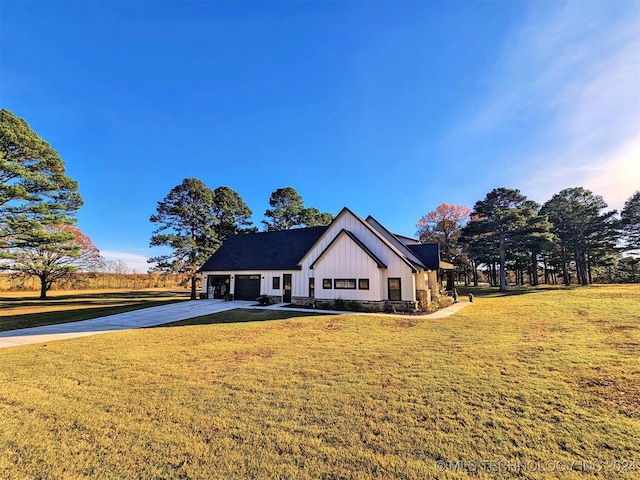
{"x":247,"y":287}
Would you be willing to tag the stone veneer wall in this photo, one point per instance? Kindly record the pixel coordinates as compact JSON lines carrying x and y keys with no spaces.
{"x":365,"y":305}
{"x":424,"y":298}
{"x":273,"y":298}
{"x":302,"y":301}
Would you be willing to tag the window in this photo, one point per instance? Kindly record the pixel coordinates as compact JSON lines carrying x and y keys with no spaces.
{"x":394,"y":289}
{"x":344,"y":284}
{"x":276,"y":283}
{"x":363,"y":284}
{"x":326,"y":283}
{"x":312,"y":288}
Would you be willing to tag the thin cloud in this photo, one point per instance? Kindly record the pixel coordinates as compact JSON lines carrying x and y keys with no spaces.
{"x":563,"y":103}
{"x":135,"y":263}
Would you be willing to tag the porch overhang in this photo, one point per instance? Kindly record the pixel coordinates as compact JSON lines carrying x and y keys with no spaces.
{"x":446,"y":265}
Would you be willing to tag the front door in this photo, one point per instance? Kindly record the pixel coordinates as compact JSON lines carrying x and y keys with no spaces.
{"x":286,"y":285}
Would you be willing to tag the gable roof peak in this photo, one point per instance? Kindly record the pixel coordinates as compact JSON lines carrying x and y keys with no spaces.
{"x":357,"y":241}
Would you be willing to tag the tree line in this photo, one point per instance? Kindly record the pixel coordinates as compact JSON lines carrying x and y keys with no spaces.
{"x":94,"y":280}
{"x":572,"y":236}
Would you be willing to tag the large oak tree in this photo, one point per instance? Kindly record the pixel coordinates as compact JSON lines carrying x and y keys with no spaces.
{"x":52,"y":253}
{"x":444,"y":226}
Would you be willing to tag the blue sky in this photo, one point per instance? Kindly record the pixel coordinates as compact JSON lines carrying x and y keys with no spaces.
{"x":389,"y":108}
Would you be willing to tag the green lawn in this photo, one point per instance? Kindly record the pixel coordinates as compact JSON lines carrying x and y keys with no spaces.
{"x":24,"y":310}
{"x":239,"y":315}
{"x":548,"y":375}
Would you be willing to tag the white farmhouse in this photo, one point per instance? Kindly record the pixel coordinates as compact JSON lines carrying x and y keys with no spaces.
{"x":352,"y":259}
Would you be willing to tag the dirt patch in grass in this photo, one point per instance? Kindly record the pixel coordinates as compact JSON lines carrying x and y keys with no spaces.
{"x":536,"y":332}
{"x":406,"y":323}
{"x":335,"y":323}
{"x":617,"y":392}
{"x":251,"y":355}
{"x":527,"y":354}
{"x":620,"y":328}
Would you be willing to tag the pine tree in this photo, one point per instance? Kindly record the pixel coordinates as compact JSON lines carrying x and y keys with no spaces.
{"x":500,"y":222}
{"x":288,"y":211}
{"x":583,"y":231}
{"x":630,"y":216}
{"x":187,"y":224}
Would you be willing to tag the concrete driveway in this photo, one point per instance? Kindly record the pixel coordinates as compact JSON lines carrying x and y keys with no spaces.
{"x":147,"y":317}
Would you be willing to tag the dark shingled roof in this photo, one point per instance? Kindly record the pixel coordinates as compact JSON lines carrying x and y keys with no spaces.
{"x":429,"y":253}
{"x":281,"y":250}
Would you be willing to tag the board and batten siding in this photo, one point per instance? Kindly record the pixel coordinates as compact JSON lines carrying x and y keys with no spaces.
{"x":266,"y":279}
{"x":347,"y":258}
{"x":339,"y":267}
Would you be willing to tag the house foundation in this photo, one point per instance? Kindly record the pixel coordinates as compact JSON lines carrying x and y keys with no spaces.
{"x":357,"y":305}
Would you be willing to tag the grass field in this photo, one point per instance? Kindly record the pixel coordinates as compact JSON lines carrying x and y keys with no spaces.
{"x":543,"y":375}
{"x":24,"y":309}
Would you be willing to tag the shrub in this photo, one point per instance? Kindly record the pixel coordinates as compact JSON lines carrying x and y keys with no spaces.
{"x":424,"y":298}
{"x":339,"y":304}
{"x":355,"y":306}
{"x":442,"y":302}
